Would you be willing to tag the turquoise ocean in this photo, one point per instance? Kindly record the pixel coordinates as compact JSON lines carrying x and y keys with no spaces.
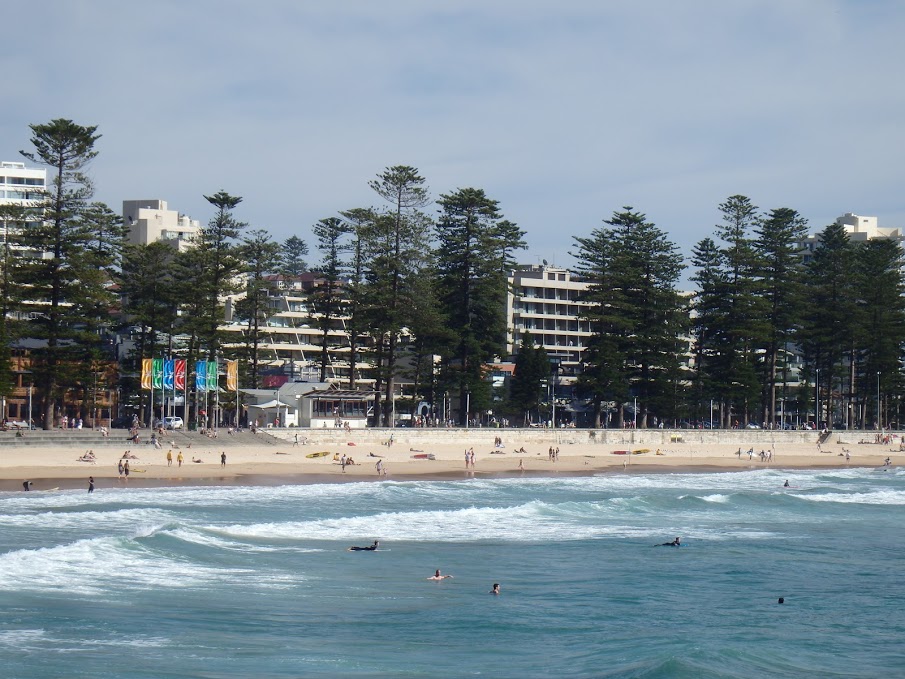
{"x":257,"y":581}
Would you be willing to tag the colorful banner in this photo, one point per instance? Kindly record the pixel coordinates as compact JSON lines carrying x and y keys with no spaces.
{"x":146,"y":373}
{"x":213,"y":376}
{"x":201,"y":375}
{"x":232,"y":375}
{"x":179,"y":374}
{"x":168,"y":374}
{"x":157,"y":374}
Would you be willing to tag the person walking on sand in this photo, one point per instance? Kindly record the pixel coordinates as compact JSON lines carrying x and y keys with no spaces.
{"x":296,"y":440}
{"x":169,"y":458}
{"x":379,"y":467}
{"x":179,"y":458}
{"x":120,"y":468}
{"x":223,"y":459}
{"x":90,"y":484}
{"x":126,"y":469}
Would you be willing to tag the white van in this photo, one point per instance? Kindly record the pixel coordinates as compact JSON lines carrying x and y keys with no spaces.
{"x":172,"y":422}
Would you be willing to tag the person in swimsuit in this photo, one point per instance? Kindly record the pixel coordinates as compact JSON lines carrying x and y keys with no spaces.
{"x":674,"y":543}
{"x":90,"y":484}
{"x":786,"y":484}
{"x":371,"y":548}
{"x":438,"y":576}
{"x":496,"y":588}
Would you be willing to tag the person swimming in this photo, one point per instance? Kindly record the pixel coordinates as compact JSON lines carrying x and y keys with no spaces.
{"x":438,"y":576}
{"x":496,"y":588}
{"x":371,"y":548}
{"x":674,"y":543}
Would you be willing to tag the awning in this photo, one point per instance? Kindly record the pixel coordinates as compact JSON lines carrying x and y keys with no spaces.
{"x":271,"y":404}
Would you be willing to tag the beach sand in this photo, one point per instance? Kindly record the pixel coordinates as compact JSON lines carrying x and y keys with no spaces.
{"x":285,"y":463}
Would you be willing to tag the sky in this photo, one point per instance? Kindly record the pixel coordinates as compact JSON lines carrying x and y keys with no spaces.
{"x":563,"y":112}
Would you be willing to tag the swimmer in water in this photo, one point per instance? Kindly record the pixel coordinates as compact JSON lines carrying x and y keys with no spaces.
{"x":438,"y":576}
{"x":674,"y":543}
{"x":371,"y":548}
{"x":496,"y":588}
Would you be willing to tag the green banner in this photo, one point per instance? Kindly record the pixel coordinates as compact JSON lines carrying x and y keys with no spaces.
{"x":212,"y":375}
{"x":157,"y":374}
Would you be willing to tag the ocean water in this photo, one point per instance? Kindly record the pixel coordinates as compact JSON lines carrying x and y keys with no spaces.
{"x":258,"y":582}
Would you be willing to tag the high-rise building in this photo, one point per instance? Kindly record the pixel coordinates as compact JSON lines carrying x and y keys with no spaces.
{"x":150,"y":221}
{"x":20,"y":186}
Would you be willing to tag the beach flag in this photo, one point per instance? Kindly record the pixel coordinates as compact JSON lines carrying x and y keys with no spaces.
{"x":232,"y":375}
{"x":146,"y":373}
{"x":157,"y":374}
{"x":213,"y":377}
{"x":201,"y":376}
{"x":168,"y":374}
{"x":179,"y":374}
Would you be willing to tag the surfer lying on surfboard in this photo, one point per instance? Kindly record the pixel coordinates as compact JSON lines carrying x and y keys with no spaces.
{"x":372,"y":548}
{"x":674,"y":543}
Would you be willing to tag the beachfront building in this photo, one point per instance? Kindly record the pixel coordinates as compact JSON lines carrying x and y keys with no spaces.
{"x":20,"y":186}
{"x":318,"y":405}
{"x":544,"y":301}
{"x":151,"y":220}
{"x":290,"y":348}
{"x":859,"y":229}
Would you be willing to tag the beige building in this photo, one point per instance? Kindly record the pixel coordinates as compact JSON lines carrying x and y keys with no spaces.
{"x":151,"y":220}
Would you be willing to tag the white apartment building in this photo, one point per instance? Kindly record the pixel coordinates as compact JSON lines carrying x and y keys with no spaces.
{"x":20,"y":185}
{"x":150,"y":221}
{"x":859,"y":229}
{"x":543,"y":300}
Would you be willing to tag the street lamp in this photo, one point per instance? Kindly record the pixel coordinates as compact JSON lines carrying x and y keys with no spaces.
{"x":879,"y":416}
{"x":817,"y":389}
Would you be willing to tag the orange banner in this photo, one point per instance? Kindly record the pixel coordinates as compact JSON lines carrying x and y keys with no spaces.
{"x":232,"y":375}
{"x":146,"y":370}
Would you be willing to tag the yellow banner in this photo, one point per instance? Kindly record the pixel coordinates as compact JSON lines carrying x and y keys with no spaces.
{"x":147,"y":365}
{"x":232,"y":375}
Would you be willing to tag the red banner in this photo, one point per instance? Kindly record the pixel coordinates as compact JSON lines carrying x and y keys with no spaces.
{"x":180,"y":374}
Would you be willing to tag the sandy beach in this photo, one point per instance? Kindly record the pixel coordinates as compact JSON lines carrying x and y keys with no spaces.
{"x":283,"y":462}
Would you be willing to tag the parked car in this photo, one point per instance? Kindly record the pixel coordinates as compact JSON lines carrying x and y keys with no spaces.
{"x":172,"y":423}
{"x":752,"y":425}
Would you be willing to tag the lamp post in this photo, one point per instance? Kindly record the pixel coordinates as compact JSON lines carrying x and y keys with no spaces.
{"x":30,"y":386}
{"x":879,"y":416}
{"x":635,"y":414}
{"x":817,"y":389}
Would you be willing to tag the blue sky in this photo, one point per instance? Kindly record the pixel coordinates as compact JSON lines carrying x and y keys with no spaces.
{"x":563,"y":112}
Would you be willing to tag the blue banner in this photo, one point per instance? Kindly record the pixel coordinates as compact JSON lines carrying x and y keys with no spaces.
{"x":169,"y":370}
{"x":201,"y":375}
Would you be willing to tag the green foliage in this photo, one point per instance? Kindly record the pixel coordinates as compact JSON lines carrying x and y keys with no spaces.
{"x":532,"y":369}
{"x":292,"y":257}
{"x":66,"y":260}
{"x":473,"y":259}
{"x":261,"y":256}
{"x":636,"y":314}
{"x":326,"y":300}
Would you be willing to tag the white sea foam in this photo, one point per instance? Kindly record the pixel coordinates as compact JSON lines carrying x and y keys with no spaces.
{"x":874,"y":497}
{"x":86,"y":566}
{"x":94,"y":520}
{"x":208,"y":539}
{"x":529,"y":522}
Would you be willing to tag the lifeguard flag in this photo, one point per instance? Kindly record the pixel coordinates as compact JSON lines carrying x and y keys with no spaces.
{"x":180,"y":374}
{"x":168,"y":376}
{"x":213,"y":377}
{"x":146,"y":368}
{"x":232,"y":375}
{"x":201,"y":375}
{"x":157,"y":374}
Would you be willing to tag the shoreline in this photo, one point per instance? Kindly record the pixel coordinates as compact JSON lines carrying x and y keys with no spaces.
{"x":283,"y":462}
{"x":263,"y":479}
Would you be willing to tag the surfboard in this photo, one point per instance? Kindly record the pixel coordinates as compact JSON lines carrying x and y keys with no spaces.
{"x":323,"y":453}
{"x":622,"y":452}
{"x":640,"y":451}
{"x":424,"y":456}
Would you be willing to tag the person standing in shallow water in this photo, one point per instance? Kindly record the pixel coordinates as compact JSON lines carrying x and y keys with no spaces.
{"x":90,"y":484}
